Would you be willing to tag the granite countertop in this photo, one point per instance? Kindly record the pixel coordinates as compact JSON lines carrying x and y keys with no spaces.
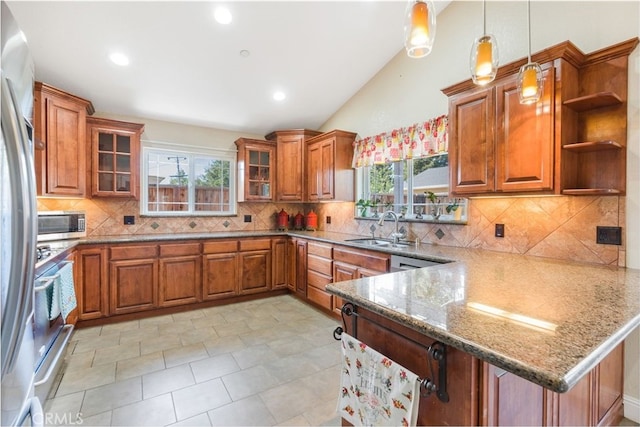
{"x":545,"y":320}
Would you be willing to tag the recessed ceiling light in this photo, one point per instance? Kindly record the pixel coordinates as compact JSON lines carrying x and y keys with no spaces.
{"x":279,"y":95}
{"x":119,"y":59}
{"x":244,"y":53}
{"x":222,"y":15}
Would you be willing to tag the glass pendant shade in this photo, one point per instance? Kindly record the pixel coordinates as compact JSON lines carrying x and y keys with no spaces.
{"x":419,"y":28}
{"x":530,"y":83}
{"x":484,"y":59}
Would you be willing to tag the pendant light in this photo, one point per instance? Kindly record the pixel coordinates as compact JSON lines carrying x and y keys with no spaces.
{"x":419,"y":28}
{"x":484,"y":55}
{"x":530,"y":76}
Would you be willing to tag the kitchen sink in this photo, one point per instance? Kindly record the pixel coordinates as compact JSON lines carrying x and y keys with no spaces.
{"x":368,"y":241}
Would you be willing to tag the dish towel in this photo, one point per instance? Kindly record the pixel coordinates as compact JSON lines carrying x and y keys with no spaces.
{"x":66,"y":292}
{"x":374,"y":390}
{"x":53,"y":298}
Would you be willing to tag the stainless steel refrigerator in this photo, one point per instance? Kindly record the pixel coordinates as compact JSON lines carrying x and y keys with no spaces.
{"x":18,"y":228}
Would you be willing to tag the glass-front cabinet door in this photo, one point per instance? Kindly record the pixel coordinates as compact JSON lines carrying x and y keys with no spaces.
{"x":256,"y":169}
{"x":115,"y":153}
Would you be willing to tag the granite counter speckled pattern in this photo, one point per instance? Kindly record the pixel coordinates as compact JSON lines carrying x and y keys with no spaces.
{"x":589,"y":308}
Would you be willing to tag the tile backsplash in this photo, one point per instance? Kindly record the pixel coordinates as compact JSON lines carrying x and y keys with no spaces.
{"x":561,"y":227}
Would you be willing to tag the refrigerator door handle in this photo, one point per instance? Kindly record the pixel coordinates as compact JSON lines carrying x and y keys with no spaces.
{"x":23,"y":223}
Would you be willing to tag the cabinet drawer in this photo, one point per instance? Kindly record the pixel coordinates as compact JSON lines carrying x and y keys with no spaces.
{"x":320,"y":250}
{"x":134,"y":252}
{"x":180,"y":249}
{"x":319,"y":297}
{"x":369,"y":260}
{"x":321,"y":265}
{"x":317,"y":280}
{"x":255,"y":245}
{"x":220,"y":247}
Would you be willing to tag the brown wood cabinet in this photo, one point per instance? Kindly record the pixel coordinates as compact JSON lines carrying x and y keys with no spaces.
{"x":594,"y":153}
{"x":255,"y":266}
{"x":319,"y":273}
{"x":498,"y":145}
{"x":279,"y":259}
{"x":256,"y":170}
{"x":329,"y":162}
{"x":220,"y":269}
{"x":292,"y":267}
{"x":349,"y":264}
{"x":114,"y":157}
{"x":92,"y":286}
{"x":133,"y":278}
{"x":290,"y":163}
{"x":180,"y":279}
{"x":60,"y":122}
{"x":301,"y":268}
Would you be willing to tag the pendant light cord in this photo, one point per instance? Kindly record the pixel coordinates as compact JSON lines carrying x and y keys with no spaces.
{"x":529,"y":27}
{"x":484,"y":17}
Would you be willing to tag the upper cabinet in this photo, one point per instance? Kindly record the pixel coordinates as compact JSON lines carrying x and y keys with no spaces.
{"x":329,"y":163}
{"x":256,"y":170}
{"x":60,"y":122}
{"x":290,"y":163}
{"x":115,"y":157}
{"x":594,"y":156}
{"x":497,"y":145}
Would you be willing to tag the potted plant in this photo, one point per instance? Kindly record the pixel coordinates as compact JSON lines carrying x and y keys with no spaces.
{"x":453,"y":208}
{"x":436,"y":209}
{"x":363,"y":204}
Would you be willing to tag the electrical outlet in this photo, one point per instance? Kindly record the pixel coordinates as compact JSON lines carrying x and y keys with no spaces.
{"x":499,"y":230}
{"x":328,"y":219}
{"x":609,"y":235}
{"x":129,"y":220}
{"x":247,"y":218}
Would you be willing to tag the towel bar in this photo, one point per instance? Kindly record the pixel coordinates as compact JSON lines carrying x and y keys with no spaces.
{"x":436,"y":352}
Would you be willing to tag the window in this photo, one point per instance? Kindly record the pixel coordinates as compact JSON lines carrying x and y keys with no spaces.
{"x":187,"y":183}
{"x":416,"y":188}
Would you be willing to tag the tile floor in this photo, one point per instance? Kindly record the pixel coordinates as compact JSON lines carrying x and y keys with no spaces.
{"x":260,"y":363}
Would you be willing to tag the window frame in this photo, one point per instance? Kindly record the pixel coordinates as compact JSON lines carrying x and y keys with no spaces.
{"x":192,"y":152}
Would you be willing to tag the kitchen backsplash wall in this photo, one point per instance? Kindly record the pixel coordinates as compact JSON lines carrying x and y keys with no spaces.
{"x":553,"y":227}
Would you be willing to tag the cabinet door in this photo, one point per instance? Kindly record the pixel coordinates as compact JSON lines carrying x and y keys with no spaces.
{"x":220,"y":276}
{"x":525,"y":138}
{"x":133,"y":285}
{"x":180,"y":281}
{"x":256,"y":170}
{"x":291,"y":264}
{"x":509,"y":400}
{"x":279,"y":257}
{"x":115,"y":153}
{"x":342,"y":272}
{"x":314,"y":171}
{"x":609,"y":387}
{"x":255,"y":271}
{"x":471,"y":142}
{"x":290,"y":165}
{"x":301,"y":268}
{"x":327,"y":172}
{"x":65,"y":147}
{"x":92,"y":286}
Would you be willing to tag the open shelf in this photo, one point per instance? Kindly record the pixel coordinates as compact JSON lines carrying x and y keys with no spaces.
{"x":583,"y":147}
{"x":596,"y":100}
{"x":591,"y":191}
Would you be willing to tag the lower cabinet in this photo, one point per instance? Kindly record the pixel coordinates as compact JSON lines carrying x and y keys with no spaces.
{"x":219,"y":269}
{"x":279,"y":260}
{"x":509,"y":400}
{"x":92,"y":287}
{"x":319,"y":274}
{"x":292,"y":266}
{"x":301,"y":268}
{"x":133,"y":278}
{"x":255,"y":266}
{"x":180,"y":280}
{"x":349,"y":264}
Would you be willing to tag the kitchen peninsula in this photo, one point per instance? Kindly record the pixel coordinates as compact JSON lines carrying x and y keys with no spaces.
{"x":529,"y":340}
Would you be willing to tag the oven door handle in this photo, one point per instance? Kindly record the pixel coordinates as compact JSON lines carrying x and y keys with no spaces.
{"x":49,"y":280}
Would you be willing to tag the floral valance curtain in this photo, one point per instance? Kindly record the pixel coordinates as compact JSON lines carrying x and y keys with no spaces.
{"x":419,"y":140}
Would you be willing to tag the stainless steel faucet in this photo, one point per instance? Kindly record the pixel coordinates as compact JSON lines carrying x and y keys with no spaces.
{"x":396,"y":235}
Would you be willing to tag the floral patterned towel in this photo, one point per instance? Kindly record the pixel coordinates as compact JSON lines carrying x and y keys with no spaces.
{"x":374,"y":390}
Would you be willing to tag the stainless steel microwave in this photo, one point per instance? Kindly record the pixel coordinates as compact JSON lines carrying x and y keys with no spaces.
{"x":61,"y":225}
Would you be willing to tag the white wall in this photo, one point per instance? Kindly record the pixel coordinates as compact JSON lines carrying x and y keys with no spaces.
{"x":407,"y":90}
